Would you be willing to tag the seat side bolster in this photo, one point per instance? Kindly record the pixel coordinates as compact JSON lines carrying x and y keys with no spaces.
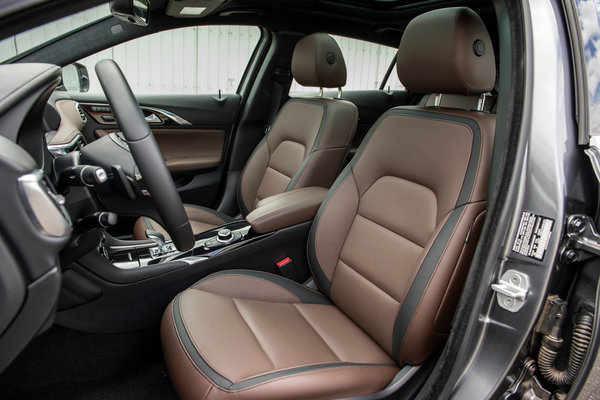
{"x":419,"y":328}
{"x":251,"y":176}
{"x":188,"y":377}
{"x":321,"y":166}
{"x":331,"y":224}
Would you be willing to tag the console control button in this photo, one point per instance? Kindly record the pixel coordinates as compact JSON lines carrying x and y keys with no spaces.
{"x":225,"y":235}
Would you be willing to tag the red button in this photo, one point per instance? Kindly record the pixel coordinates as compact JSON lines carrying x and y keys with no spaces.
{"x":283,"y":262}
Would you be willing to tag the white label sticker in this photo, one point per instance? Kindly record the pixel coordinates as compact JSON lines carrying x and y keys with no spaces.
{"x":533,"y":235}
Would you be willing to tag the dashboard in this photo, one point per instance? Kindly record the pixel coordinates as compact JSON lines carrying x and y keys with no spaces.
{"x":34,"y":222}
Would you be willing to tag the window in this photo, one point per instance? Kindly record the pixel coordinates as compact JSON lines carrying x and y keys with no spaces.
{"x":18,"y":44}
{"x":589,"y":20}
{"x":366,"y":64}
{"x":188,"y":60}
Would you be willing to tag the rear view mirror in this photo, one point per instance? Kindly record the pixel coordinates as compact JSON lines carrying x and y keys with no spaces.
{"x":75,"y":78}
{"x":133,"y":11}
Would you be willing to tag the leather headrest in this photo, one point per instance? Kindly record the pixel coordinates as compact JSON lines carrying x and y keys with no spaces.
{"x":447,"y":51}
{"x":318,"y":61}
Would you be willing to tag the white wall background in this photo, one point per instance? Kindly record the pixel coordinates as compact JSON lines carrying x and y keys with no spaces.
{"x":22,"y":42}
{"x":197,"y":59}
{"x":183,"y":61}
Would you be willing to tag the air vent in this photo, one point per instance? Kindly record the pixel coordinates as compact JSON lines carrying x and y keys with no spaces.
{"x":81,"y":113}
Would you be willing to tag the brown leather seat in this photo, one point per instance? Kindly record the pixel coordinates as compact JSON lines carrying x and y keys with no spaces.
{"x":389,"y":249}
{"x":305,"y":146}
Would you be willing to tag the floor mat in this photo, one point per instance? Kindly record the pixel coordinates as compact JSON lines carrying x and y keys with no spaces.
{"x":67,"y":364}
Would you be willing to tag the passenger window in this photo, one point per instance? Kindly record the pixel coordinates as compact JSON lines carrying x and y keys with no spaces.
{"x":190,"y":60}
{"x":589,"y":22}
{"x":366,"y":63}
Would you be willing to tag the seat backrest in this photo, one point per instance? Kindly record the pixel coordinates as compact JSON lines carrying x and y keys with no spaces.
{"x":309,"y":137}
{"x":394,"y":238}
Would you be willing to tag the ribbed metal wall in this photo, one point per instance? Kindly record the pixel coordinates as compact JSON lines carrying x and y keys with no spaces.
{"x":366,"y":63}
{"x":183,"y":61}
{"x":198,"y":59}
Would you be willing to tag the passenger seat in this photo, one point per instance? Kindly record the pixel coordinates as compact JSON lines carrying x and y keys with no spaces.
{"x":305,"y":147}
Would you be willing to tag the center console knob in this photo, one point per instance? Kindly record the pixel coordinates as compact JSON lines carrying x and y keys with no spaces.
{"x":224,"y":235}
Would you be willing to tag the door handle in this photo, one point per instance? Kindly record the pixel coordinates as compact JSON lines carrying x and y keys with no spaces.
{"x":153,"y":119}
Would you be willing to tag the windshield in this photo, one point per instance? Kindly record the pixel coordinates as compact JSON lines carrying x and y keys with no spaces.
{"x":19,"y":44}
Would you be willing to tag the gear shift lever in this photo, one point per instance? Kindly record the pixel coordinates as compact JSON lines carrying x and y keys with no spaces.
{"x":159,"y":239}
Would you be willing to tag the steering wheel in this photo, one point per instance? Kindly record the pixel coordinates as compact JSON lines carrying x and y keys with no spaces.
{"x":146,"y":154}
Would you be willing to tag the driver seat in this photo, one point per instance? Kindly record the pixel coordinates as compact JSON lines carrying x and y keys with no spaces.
{"x":389,"y":249}
{"x":305,"y":146}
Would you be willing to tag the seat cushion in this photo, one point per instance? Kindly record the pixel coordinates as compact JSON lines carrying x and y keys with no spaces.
{"x":201,"y":219}
{"x":254,"y":335}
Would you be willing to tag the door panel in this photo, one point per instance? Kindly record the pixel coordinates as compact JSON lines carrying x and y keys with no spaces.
{"x":190,"y":150}
{"x":186,"y":151}
{"x":192,"y":132}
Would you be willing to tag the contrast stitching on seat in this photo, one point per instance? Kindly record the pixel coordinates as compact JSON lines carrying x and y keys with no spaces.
{"x":302,"y":167}
{"x":279,"y":172}
{"x":192,"y":351}
{"x":253,"y":334}
{"x":421,"y":280}
{"x":321,"y":277}
{"x":296,"y":179}
{"x":391,"y":296}
{"x":223,"y":384}
{"x":317,"y":332}
{"x":390,"y":230}
{"x":198,"y":285}
{"x":305,"y":294}
{"x":193,"y":341}
{"x":419,"y":304}
{"x":253,"y":383}
{"x":240,"y":199}
{"x":470,"y":173}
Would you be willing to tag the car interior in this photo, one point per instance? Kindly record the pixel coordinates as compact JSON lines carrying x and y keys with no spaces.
{"x":261,"y":244}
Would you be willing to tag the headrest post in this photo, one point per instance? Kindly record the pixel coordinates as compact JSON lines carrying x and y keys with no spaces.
{"x":320,"y":92}
{"x":339,"y":96}
{"x":437,"y":100}
{"x":481,"y":102}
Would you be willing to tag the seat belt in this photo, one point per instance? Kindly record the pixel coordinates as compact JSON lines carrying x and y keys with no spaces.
{"x":282,"y":80}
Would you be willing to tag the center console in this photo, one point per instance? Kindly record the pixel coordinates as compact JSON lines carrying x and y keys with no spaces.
{"x":129,"y":254}
{"x":122,"y":285}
